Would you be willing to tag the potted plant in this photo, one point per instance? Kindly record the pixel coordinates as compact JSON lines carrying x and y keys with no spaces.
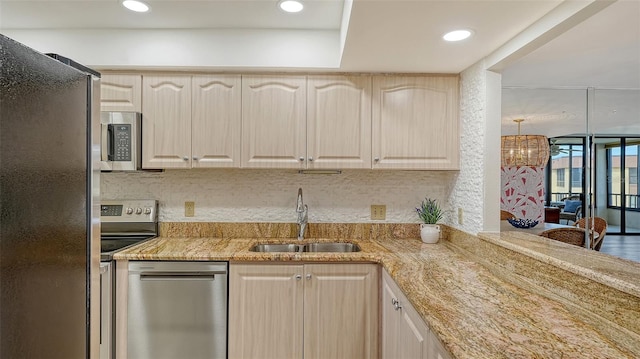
{"x":430,"y":213}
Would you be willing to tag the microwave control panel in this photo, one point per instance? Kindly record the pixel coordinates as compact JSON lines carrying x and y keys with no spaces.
{"x":122,"y":142}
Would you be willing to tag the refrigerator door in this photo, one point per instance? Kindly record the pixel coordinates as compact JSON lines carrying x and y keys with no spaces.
{"x":49,"y":252}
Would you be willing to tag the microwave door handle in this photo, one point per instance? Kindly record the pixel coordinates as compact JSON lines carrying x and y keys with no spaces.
{"x":110,"y":144}
{"x":104,"y":152}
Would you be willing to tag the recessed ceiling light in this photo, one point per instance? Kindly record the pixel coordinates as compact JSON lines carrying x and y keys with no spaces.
{"x":135,"y":5}
{"x":290,"y":5}
{"x":457,"y":35}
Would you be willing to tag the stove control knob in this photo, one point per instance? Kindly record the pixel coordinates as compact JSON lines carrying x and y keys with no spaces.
{"x":129,"y":210}
{"x":138,"y":210}
{"x":147,"y":210}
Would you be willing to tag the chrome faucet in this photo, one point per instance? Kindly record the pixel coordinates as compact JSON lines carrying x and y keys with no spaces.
{"x":302,"y":211}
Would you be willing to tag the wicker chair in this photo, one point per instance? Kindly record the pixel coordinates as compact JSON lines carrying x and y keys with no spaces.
{"x":504,"y":215}
{"x":599,"y":225}
{"x":573,"y":236}
{"x":572,"y":216}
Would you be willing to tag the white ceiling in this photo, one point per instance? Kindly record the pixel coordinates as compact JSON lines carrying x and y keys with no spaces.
{"x":167,"y":14}
{"x":379,"y":35}
{"x":602,"y":52}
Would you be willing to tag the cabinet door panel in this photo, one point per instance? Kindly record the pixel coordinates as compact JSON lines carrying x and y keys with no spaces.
{"x":412,"y":336}
{"x":166,"y":128}
{"x":121,"y":93}
{"x":339,"y":122}
{"x":437,"y":350}
{"x":216,"y":121}
{"x":273,"y":121}
{"x":390,"y":321}
{"x":415,"y":123}
{"x":405,"y":335}
{"x":265,"y":311}
{"x":341,"y":311}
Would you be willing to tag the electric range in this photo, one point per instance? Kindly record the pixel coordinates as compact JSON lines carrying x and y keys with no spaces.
{"x":126,"y":223}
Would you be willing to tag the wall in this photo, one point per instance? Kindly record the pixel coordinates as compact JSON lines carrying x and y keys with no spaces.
{"x":181,"y":48}
{"x":522,"y":192}
{"x":244,"y":195}
{"x":468,"y":188}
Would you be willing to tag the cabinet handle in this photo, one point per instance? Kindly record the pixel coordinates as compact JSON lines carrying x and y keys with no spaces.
{"x":298,"y":277}
{"x":310,"y":159}
{"x":376,"y":159}
{"x":308,"y":276}
{"x":396,"y":304}
{"x":195,"y":158}
{"x":301,"y":159}
{"x":186,"y":158}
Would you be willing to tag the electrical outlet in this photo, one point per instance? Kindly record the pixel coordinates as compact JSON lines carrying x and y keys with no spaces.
{"x":189,"y":209}
{"x":460,"y":217}
{"x":378,"y":211}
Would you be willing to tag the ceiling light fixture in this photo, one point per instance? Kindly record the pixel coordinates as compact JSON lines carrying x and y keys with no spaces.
{"x":135,"y":5}
{"x":457,"y":35}
{"x":290,"y":5}
{"x":524,"y":150}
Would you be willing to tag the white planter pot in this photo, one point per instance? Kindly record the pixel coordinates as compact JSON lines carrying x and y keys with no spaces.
{"x":429,"y":233}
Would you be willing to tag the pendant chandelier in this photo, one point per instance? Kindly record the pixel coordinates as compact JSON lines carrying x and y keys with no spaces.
{"x":524,"y":150}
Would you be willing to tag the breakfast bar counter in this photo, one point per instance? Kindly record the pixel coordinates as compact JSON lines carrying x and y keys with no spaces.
{"x":470,"y":290}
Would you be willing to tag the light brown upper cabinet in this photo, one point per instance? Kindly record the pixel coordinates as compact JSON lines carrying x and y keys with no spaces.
{"x":166,"y":131}
{"x":191,"y":121}
{"x":338,"y":122}
{"x":121,"y":92}
{"x":319,"y":122}
{"x":416,"y":123}
{"x":216,"y":121}
{"x":273,"y":121}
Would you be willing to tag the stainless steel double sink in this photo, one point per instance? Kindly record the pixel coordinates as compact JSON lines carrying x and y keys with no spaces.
{"x":338,"y":247}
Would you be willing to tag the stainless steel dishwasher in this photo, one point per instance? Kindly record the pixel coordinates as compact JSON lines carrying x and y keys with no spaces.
{"x":177,"y":310}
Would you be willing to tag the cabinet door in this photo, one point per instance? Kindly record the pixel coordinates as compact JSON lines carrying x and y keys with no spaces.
{"x":166,"y":123}
{"x":341,"y":311}
{"x":404,"y":333}
{"x":339,"y":122}
{"x":216,"y":121}
{"x":390,"y":321}
{"x":265,"y":311}
{"x":415,"y":123}
{"x":437,"y":350}
{"x":121,"y":93}
{"x":273,"y":121}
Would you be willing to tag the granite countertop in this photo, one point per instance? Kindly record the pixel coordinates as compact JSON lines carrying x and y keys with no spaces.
{"x":473,"y":312}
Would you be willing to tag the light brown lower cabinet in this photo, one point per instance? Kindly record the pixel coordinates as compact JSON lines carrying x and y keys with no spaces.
{"x":404,"y":334}
{"x":305,"y":310}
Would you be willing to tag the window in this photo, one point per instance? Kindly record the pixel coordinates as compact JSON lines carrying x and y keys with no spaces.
{"x":560,"y":177}
{"x":576,"y":177}
{"x":633,"y":175}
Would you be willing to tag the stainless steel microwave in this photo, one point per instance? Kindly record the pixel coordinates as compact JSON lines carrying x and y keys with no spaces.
{"x":121,"y":145}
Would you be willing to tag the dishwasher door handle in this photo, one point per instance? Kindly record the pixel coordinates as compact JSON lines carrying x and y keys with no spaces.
{"x":205,"y":276}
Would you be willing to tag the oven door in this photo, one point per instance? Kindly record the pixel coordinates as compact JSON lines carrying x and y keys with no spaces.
{"x":120,"y":148}
{"x":106,"y":310}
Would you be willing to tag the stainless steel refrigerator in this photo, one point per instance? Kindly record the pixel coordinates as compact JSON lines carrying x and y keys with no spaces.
{"x":49,"y":206}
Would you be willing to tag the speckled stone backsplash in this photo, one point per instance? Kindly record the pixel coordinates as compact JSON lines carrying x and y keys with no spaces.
{"x":269,"y":196}
{"x":289,"y":230}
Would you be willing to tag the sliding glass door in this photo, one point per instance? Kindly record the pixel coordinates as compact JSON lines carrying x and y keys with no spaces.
{"x":623,"y":199}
